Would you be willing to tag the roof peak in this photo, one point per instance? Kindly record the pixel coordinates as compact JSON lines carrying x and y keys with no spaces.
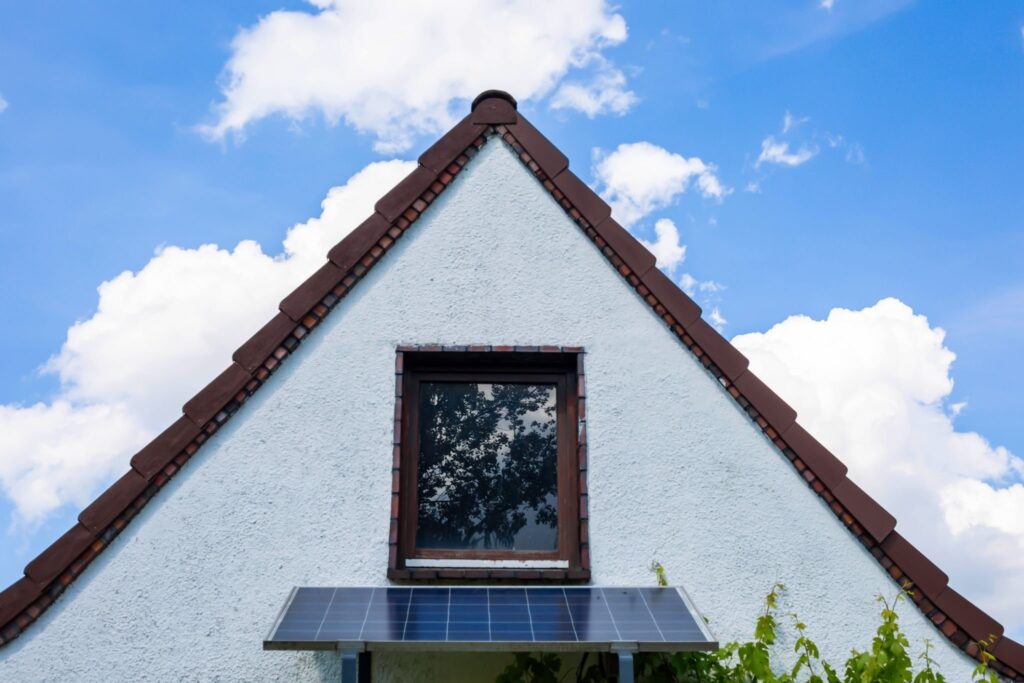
{"x":493,"y":94}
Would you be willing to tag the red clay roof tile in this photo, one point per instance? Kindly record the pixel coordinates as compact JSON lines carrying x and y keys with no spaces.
{"x":926,"y":577}
{"x":17,"y":597}
{"x":547,"y":156}
{"x":499,"y":108}
{"x":632,"y":253}
{"x":683,"y":308}
{"x":967,"y":615}
{"x":112,"y":502}
{"x":439,"y":155}
{"x":307,"y":295}
{"x":777,"y":412}
{"x":205,"y":405}
{"x":493,"y":94}
{"x":253,"y":352}
{"x":1006,"y":650}
{"x":582,"y":197}
{"x":401,"y":196}
{"x":348,"y":252}
{"x":827,"y":467}
{"x":53,"y":561}
{"x":875,"y":519}
{"x":727,"y":357}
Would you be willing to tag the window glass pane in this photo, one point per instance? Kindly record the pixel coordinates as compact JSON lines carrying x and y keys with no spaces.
{"x":487,"y":466}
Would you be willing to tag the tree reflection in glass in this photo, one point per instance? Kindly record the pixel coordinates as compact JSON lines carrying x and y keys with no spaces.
{"x":487,"y":466}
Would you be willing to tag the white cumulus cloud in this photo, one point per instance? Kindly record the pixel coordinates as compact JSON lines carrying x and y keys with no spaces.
{"x":874,"y":386}
{"x":395,"y":68}
{"x":639,"y":178}
{"x":777,"y":152}
{"x":605,"y":93}
{"x":666,"y":249}
{"x":3,"y":104}
{"x":157,"y":336}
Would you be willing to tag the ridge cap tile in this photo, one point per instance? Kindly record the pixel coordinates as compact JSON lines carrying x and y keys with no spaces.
{"x":677,"y":302}
{"x":101,"y":512}
{"x":251,"y":354}
{"x":543,"y":151}
{"x":875,"y":519}
{"x":55,"y":560}
{"x":1010,"y":652}
{"x":825,"y":465}
{"x":16,"y":597}
{"x":972,"y":619}
{"x":727,"y":357}
{"x":628,"y":248}
{"x":398,"y":198}
{"x":205,"y":405}
{"x":449,"y":146}
{"x":495,"y":110}
{"x":353,"y":246}
{"x":779,"y":414}
{"x":161,"y":450}
{"x":922,"y":572}
{"x":309,"y":293}
{"x":586,"y":201}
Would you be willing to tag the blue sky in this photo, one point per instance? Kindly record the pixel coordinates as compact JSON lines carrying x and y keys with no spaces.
{"x":908,"y":114}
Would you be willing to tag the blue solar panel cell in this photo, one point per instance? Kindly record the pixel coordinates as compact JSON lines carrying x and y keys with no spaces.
{"x":578,"y":617}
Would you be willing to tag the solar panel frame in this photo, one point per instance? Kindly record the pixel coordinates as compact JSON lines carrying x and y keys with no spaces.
{"x":518,"y":618}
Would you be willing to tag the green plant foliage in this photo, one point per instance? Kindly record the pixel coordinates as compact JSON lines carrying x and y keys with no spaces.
{"x":525,"y":668}
{"x":887,"y":660}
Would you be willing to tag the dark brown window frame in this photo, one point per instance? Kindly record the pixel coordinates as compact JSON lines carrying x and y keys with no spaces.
{"x":562,"y":365}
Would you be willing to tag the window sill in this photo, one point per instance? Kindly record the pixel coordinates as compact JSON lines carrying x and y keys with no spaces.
{"x":426,"y":563}
{"x":574,"y":575}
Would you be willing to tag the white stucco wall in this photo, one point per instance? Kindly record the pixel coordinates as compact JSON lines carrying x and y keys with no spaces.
{"x":296,"y":489}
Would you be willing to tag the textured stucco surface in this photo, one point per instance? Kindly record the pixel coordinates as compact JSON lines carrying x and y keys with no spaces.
{"x":296,"y":489}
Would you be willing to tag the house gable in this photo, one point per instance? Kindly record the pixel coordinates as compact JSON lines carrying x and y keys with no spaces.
{"x":638,"y":424}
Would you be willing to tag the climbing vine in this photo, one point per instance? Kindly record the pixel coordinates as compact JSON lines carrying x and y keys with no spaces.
{"x":887,"y":660}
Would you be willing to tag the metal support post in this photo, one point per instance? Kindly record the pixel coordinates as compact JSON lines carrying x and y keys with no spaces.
{"x":355,"y":666}
{"x":626,"y":674}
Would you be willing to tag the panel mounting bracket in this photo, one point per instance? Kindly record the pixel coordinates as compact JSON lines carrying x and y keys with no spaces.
{"x":355,"y":664}
{"x":625,"y":652}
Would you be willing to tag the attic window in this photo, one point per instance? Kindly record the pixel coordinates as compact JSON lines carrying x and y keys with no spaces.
{"x":488,"y":480}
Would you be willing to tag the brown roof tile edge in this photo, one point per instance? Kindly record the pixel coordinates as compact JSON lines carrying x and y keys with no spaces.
{"x":354,"y":255}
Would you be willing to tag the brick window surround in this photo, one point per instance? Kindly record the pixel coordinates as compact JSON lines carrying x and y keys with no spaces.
{"x":467,"y":358}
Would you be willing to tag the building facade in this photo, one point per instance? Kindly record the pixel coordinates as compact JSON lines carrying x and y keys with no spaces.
{"x":293,"y":467}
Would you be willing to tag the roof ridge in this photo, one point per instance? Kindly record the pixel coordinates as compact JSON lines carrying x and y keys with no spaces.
{"x":49,"y":574}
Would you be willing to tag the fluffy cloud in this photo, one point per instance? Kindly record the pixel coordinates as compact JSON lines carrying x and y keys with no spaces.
{"x":874,"y":386}
{"x":605,"y":93}
{"x":340,"y":61}
{"x":3,"y":104}
{"x":667,"y":249}
{"x":172,"y":325}
{"x":57,"y":453}
{"x":639,"y":178}
{"x":777,"y":152}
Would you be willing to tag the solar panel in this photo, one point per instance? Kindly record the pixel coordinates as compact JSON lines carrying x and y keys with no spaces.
{"x":506,"y":618}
